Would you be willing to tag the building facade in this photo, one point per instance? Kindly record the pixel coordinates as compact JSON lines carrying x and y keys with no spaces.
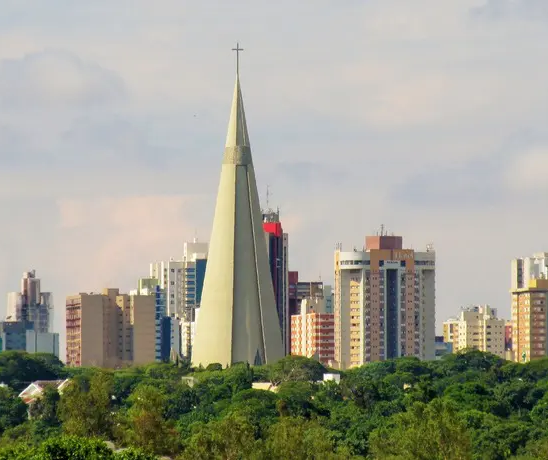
{"x":299,"y":290}
{"x":442,"y":347}
{"x":477,"y":328}
{"x":313,"y":331}
{"x":42,"y":342}
{"x":384,"y":302}
{"x":110,"y":329}
{"x":529,"y":268}
{"x":277,"y":246}
{"x":183,"y":279}
{"x":238,"y":320}
{"x":529,"y":319}
{"x":13,"y":335}
{"x":150,"y":286}
{"x":31,"y":304}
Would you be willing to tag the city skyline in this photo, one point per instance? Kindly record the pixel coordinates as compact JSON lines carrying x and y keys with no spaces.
{"x":438,"y":132}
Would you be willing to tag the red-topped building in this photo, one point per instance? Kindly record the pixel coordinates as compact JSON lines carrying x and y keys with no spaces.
{"x":277,"y":246}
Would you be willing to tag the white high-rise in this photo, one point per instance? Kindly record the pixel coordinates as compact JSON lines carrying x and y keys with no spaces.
{"x":529,"y":268}
{"x":182,"y":279}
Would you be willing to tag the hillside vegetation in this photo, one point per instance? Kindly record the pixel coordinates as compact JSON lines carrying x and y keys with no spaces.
{"x":469,"y":405}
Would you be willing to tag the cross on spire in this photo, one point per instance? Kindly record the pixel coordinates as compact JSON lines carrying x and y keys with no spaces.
{"x":237,"y":49}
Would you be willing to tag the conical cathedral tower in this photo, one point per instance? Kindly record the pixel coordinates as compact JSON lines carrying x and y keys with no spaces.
{"x":237,"y":320}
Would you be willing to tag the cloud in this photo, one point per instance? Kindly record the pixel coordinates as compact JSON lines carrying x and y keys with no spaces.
{"x":419,"y":115}
{"x":114,"y":238}
{"x":528,"y":172}
{"x":512,"y":9}
{"x":56,"y":78}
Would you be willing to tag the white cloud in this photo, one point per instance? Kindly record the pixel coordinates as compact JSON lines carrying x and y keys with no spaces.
{"x":56,"y":78}
{"x":350,"y":103}
{"x":528,"y":172}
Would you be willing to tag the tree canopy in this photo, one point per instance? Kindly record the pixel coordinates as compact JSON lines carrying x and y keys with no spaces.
{"x":469,"y":405}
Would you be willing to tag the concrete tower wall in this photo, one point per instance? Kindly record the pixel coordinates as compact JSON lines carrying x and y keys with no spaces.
{"x":238,"y":319}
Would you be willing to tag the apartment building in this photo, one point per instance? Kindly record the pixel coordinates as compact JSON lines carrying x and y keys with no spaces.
{"x":477,"y":327}
{"x":384,"y":302}
{"x":313,"y":331}
{"x":529,"y":320}
{"x":110,"y":329}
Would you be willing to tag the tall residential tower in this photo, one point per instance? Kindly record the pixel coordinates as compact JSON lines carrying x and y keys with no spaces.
{"x":384,"y":302}
{"x":529,"y":289}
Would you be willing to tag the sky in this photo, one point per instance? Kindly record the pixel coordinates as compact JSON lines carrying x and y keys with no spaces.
{"x":428,"y":117}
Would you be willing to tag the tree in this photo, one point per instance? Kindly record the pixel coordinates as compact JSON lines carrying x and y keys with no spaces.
{"x":295,"y":399}
{"x":147,"y":427}
{"x":361,"y":389}
{"x":73,"y":448}
{"x":258,"y":407}
{"x":134,"y":454}
{"x":239,"y":377}
{"x":293,"y":368}
{"x":181,"y":401}
{"x":16,"y":452}
{"x":18,"y":369}
{"x":430,"y":431}
{"x":46,"y":406}
{"x":86,"y":409}
{"x":13,"y":411}
{"x":295,"y":437}
{"x":231,"y":438}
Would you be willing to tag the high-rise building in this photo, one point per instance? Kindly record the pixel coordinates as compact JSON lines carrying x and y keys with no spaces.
{"x":508,"y":336}
{"x":529,"y":319}
{"x":183,"y":279}
{"x":110,"y":329}
{"x":328,"y":296}
{"x":150,"y":286}
{"x":529,"y":288}
{"x":238,"y":321}
{"x":277,"y":246}
{"x":313,"y":331}
{"x":477,"y":327}
{"x":13,"y":335}
{"x":508,"y":341}
{"x":30,"y":304}
{"x":42,"y":342}
{"x":195,"y":263}
{"x":442,"y":347}
{"x":451,"y":330}
{"x":527,"y":269}
{"x":299,"y":290}
{"x":384,"y":302}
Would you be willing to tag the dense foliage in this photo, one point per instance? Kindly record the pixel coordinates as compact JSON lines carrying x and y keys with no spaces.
{"x":467,"y":406}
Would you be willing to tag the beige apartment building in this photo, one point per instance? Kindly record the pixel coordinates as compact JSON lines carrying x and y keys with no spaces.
{"x":313,"y":331}
{"x":384,"y":302}
{"x":110,"y":329}
{"x":529,"y":320}
{"x":478,"y":328}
